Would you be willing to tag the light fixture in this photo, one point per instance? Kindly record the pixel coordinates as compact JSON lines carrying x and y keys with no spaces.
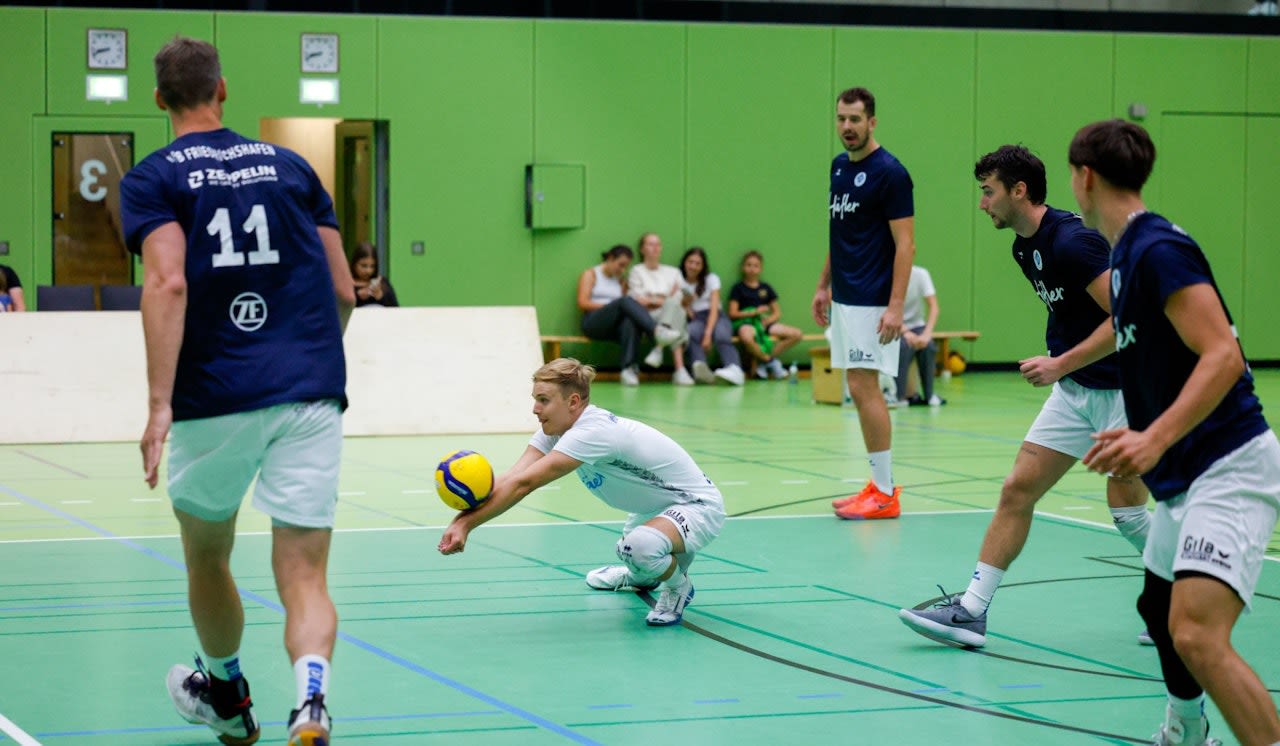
{"x":318,"y":90}
{"x":106,"y":87}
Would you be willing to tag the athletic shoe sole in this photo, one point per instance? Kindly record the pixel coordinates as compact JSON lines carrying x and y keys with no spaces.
{"x":941,"y":632}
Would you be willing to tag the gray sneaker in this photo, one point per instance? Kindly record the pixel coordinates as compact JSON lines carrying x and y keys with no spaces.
{"x":947,"y":622}
{"x":1144,"y":638}
{"x":670,"y":607}
{"x":189,"y":690}
{"x":616,"y":578}
{"x":702,"y":372}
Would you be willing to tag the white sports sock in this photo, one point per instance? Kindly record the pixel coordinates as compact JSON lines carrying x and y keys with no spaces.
{"x":986,"y":579}
{"x":882,"y":470}
{"x":311,"y":672}
{"x":676,"y":580}
{"x":1134,"y":524}
{"x":1187,"y":709}
{"x":227,"y":669}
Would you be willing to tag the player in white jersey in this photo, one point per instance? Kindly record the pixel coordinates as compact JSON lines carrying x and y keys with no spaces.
{"x":676,"y":511}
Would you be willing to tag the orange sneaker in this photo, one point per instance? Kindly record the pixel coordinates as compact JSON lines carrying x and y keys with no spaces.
{"x":866,"y":492}
{"x":872,"y":504}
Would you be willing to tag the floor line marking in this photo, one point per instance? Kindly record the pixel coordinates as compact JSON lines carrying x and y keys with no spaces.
{"x":17,"y":734}
{"x":345,"y":636}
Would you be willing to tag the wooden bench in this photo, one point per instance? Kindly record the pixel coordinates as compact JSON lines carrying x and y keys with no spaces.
{"x":944,"y":344}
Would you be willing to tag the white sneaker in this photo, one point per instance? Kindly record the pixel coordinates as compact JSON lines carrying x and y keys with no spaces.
{"x":702,"y":372}
{"x":1178,"y":732}
{"x":654,"y":358}
{"x":762,"y":371}
{"x":894,"y":403}
{"x":189,"y":690}
{"x":731,"y":373}
{"x":616,"y":578}
{"x":309,"y":724}
{"x":665,"y":335}
{"x":1267,"y":8}
{"x":681,"y":377}
{"x":630,"y":376}
{"x":776,"y":369}
{"x":936,"y":401}
{"x":670,"y":607}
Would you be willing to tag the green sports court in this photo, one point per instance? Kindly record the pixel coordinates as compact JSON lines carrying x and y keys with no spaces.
{"x":792,"y":637}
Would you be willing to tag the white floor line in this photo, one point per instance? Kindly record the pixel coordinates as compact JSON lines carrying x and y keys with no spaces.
{"x":346,"y":494}
{"x":9,"y":505}
{"x":76,"y":502}
{"x":1078,"y":507}
{"x":795,"y":481}
{"x":144,"y":499}
{"x":17,"y":734}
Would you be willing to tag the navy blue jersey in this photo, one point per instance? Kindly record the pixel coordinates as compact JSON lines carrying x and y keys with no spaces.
{"x":865,"y":196}
{"x":1153,"y":260}
{"x":1061,"y":259}
{"x":262,"y":322}
{"x":751,"y":297}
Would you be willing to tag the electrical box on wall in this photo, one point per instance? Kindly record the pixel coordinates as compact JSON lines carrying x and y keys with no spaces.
{"x":555,"y":195}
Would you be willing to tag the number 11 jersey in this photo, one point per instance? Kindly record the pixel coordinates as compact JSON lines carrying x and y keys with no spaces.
{"x":262,"y":322}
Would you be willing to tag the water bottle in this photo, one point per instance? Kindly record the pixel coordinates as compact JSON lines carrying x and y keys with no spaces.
{"x":793,"y":384}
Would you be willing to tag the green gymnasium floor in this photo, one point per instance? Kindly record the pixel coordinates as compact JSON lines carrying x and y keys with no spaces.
{"x":792,"y":638}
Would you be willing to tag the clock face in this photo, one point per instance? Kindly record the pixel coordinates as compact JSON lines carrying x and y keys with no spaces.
{"x":107,"y":49}
{"x":319,"y":53}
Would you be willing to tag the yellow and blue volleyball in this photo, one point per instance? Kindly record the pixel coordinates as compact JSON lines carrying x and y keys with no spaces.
{"x":464,"y":479}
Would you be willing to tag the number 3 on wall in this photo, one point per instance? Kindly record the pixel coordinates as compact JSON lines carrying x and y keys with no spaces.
{"x":90,"y":189}
{"x":227,"y":255}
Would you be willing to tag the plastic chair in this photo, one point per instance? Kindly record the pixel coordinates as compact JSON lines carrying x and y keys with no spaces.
{"x":65,"y":298}
{"x":121,"y":297}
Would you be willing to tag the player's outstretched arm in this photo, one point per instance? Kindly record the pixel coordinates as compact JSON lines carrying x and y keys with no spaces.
{"x":164,"y":315}
{"x":509,"y":489}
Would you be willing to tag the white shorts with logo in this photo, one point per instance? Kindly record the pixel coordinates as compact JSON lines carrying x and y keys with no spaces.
{"x":699,"y":523}
{"x":1072,"y":413}
{"x":293,"y":449}
{"x":1221,"y":525}
{"x":855,"y":343}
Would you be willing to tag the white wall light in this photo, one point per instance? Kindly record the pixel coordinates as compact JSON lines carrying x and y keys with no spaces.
{"x":106,"y":87}
{"x":318,"y":90}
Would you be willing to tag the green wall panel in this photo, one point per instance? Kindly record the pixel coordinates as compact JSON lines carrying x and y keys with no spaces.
{"x":1263,"y":96}
{"x":1216,"y":224}
{"x":1179,"y":74}
{"x":760,"y":116}
{"x":925,"y":117}
{"x":611,"y":96}
{"x":459,"y":98}
{"x":22,"y":67}
{"x":261,"y":60}
{"x":1035,"y":89}
{"x":1261,"y":238}
{"x":148,"y":31}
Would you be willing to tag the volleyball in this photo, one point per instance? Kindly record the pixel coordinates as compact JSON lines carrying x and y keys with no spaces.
{"x":956,"y":363}
{"x":464,"y":479}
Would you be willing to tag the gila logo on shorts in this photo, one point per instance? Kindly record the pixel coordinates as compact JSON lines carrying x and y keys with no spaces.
{"x":1201,"y":549}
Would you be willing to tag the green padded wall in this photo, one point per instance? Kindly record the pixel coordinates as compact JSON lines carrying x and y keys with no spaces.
{"x":22,"y":36}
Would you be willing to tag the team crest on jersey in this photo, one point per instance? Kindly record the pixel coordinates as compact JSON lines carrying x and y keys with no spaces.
{"x":1035,"y":258}
{"x":248,"y":312}
{"x":860,"y":179}
{"x":1115,"y":282}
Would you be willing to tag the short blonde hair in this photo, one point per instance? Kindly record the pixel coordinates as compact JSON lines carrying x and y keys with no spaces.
{"x":569,"y":375}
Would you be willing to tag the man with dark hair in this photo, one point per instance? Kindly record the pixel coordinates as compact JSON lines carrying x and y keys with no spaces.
{"x":1066,"y":264}
{"x":1196,"y":436}
{"x":245,"y":297}
{"x":863,"y":286}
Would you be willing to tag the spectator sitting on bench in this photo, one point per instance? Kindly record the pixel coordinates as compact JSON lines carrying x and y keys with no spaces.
{"x":608,"y":313}
{"x":707,"y":325}
{"x":916,"y":342}
{"x":755,"y":311}
{"x":657,"y":287}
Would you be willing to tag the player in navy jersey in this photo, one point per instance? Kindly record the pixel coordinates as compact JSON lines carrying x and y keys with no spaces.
{"x":245,"y":297}
{"x":1196,"y":435}
{"x":1067,"y":266}
{"x":863,"y":286}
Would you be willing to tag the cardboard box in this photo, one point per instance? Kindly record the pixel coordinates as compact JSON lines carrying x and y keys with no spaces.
{"x":828,"y":388}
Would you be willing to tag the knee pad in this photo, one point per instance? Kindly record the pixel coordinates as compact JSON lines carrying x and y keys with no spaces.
{"x":1153,"y":604}
{"x":646,"y":552}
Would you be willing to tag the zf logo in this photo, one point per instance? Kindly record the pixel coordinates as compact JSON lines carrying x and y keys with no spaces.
{"x":248,"y":312}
